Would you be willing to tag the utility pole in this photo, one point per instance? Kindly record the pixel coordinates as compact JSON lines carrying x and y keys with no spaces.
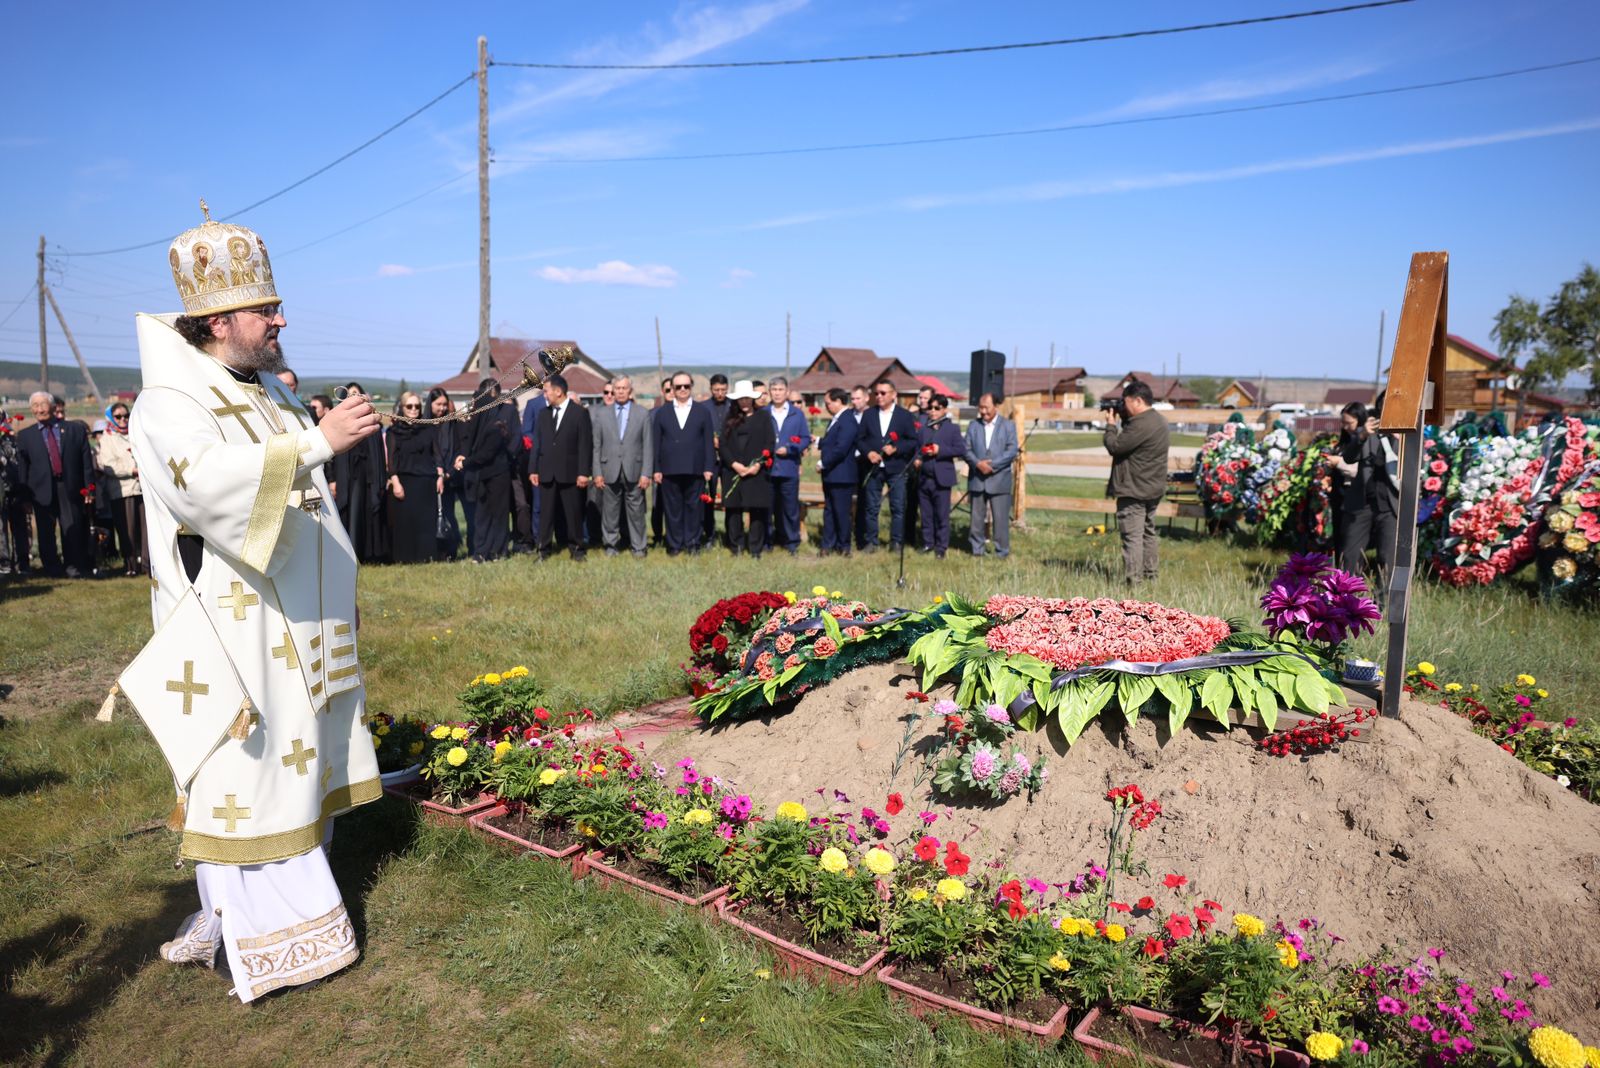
{"x":1377,"y":369}
{"x":44,"y":348}
{"x":660,"y":370}
{"x":73,"y":345}
{"x":1052,"y":355}
{"x":786,"y":369}
{"x":483,"y":208}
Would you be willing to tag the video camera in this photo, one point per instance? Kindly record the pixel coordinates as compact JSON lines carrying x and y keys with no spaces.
{"x":1115,"y":406}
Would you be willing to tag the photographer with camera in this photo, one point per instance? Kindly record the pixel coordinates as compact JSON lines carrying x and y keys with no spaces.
{"x":1136,"y":437}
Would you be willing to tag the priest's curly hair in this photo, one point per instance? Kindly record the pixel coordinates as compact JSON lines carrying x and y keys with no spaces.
{"x":195,"y":329}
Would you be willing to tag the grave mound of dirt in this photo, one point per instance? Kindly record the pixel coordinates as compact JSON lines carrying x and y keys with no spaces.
{"x":1419,"y":834}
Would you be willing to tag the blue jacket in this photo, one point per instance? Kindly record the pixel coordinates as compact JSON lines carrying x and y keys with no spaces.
{"x":903,"y":425}
{"x":1001,"y":453}
{"x":685,"y":451}
{"x":838,"y":449}
{"x":940,"y":471}
{"x":794,"y":426}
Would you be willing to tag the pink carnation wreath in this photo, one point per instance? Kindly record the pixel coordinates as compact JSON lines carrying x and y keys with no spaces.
{"x":1079,"y":632}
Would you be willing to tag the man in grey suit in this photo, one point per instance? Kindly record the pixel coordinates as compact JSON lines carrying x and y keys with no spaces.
{"x":624,"y":462}
{"x":991,"y":450}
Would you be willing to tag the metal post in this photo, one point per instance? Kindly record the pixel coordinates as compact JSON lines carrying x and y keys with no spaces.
{"x":44,"y":347}
{"x":483,"y":208}
{"x":1405,"y":562}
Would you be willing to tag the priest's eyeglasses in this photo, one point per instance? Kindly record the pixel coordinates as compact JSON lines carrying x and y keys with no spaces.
{"x":269,"y":312}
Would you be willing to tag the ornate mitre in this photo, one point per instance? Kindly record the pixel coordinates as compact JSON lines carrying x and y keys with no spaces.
{"x":220,"y":267}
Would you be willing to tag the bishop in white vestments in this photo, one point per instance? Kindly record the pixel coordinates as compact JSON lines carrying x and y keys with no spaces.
{"x":252,"y":683}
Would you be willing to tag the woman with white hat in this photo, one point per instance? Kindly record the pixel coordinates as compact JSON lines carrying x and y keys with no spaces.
{"x":745,"y":453}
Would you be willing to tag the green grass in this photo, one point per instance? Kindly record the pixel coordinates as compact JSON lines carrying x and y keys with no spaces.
{"x":473,"y":957}
{"x":1056,"y":440}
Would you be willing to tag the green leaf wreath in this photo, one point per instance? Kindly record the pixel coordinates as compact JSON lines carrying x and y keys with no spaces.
{"x":1242,"y":670}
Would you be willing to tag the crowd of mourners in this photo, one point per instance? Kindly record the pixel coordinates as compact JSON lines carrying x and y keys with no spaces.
{"x":614,"y":475}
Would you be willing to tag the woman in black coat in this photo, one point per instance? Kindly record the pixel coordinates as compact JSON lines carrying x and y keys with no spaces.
{"x":486,"y":465}
{"x":415,"y":482}
{"x":447,"y":446}
{"x":744,"y":452}
{"x":360,"y":482}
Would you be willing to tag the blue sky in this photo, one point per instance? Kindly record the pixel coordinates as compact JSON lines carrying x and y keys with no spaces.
{"x":1254,"y":242}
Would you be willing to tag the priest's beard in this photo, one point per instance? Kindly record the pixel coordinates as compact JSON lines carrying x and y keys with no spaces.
{"x":265,"y":355}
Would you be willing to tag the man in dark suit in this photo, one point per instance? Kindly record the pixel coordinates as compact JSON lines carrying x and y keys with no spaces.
{"x":530,"y":439}
{"x":57,"y":469}
{"x":685,"y":459}
{"x":793,"y":433}
{"x":562,"y":465}
{"x":941,"y":446}
{"x":519,"y":450}
{"x":888,"y":443}
{"x":717,"y":404}
{"x":838,"y":468}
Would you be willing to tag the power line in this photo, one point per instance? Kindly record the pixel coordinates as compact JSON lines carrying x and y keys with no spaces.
{"x":368,"y":143}
{"x":381,"y":214}
{"x":1099,"y":125}
{"x":1093,"y":39}
{"x":19,"y":304}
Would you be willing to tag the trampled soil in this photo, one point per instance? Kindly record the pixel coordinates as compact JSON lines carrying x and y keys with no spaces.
{"x":1419,"y":834}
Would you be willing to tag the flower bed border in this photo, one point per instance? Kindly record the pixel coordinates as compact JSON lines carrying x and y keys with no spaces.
{"x":594,"y":863}
{"x":441,"y":814}
{"x":571,"y":857}
{"x":921,"y":1002}
{"x":1094,"y":1047}
{"x":797,"y":959}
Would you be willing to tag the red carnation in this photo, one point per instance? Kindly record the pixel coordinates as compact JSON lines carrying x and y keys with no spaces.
{"x":527,"y":441}
{"x":893,"y":436}
{"x":705,"y":498}
{"x":766,"y":452}
{"x":794,"y":439}
{"x":895,"y":804}
{"x":927,"y":847}
{"x":541,"y":714}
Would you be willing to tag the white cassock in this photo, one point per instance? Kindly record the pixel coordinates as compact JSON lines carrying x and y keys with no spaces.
{"x":239,"y":465}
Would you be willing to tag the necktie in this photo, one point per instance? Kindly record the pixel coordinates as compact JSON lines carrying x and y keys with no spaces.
{"x":559,"y":410}
{"x":622,"y":420}
{"x":53,"y":445}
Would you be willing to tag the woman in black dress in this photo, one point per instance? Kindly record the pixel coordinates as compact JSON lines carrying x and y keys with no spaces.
{"x":486,"y":467}
{"x":415,"y":481}
{"x":360,"y":483}
{"x":744,"y":452}
{"x":446,"y":447}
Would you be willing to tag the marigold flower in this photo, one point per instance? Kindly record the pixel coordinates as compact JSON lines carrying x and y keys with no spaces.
{"x":1115,"y":932}
{"x":459,"y":733}
{"x":1324,"y":1046}
{"x":819,"y":591}
{"x":492,"y":678}
{"x":697,"y":817}
{"x":1526,"y":680}
{"x":1248,"y":925}
{"x":918,"y":894}
{"x":788,"y":595}
{"x":792,"y":810}
{"x":950,"y":889}
{"x":879,"y":861}
{"x":1452,"y":687}
{"x":1554,"y":1048}
{"x":1288,"y":956}
{"x":456,"y":757}
{"x":833,"y":860}
{"x":1059,"y":963}
{"x":1425,"y":668}
{"x":441,"y":732}
{"x":548,"y":776}
{"x":501,"y":748}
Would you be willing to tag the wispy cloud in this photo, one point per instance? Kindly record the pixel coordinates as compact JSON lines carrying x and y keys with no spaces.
{"x":21,"y":141}
{"x":395,"y":270}
{"x":1062,"y":190}
{"x":736,"y":278}
{"x":613,"y":273}
{"x":1233,"y":90}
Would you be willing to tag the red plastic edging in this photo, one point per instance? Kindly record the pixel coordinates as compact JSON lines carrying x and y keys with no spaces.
{"x":594,"y":862}
{"x":571,"y":856}
{"x":797,"y":958}
{"x":984,"y":1019}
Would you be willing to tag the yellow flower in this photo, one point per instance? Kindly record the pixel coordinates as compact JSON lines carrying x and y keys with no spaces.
{"x":1059,"y":963}
{"x":938,"y":599}
{"x":416,"y":747}
{"x":950,"y":889}
{"x":1564,"y":568}
{"x":698,"y":817}
{"x":517,"y":672}
{"x":441,"y":732}
{"x":456,"y":757}
{"x":1526,"y":680}
{"x":447,"y":630}
{"x":792,"y":810}
{"x":548,"y":776}
{"x":1591,"y":1055}
{"x":1425,"y":668}
{"x":1324,"y":1046}
{"x":598,"y":768}
{"x":384,"y":729}
{"x":459,"y":734}
{"x":1288,"y":956}
{"x":1560,"y":522}
{"x":1554,"y":1048}
{"x":1115,"y":932}
{"x":819,"y":591}
{"x":475,"y":680}
{"x":879,"y":861}
{"x":763,"y":973}
{"x":1543,"y":693}
{"x":832,"y":860}
{"x":501,"y":748}
{"x":1248,"y":925}
{"x":1069,"y":925}
{"x":919,"y":894}
{"x":376,"y":741}
{"x":585,"y":829}
{"x":1575,"y":542}
{"x":493,"y":678}
{"x":836,"y":594}
{"x":788,"y":595}
{"x":1451,"y":687}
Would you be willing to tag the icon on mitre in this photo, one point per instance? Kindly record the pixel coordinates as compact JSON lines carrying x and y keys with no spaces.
{"x":185,"y":689}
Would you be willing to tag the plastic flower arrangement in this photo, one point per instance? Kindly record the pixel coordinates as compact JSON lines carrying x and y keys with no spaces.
{"x":1569,"y":549}
{"x":973,"y":759}
{"x":1222,"y":468}
{"x":1318,"y":606}
{"x":1299,"y":509}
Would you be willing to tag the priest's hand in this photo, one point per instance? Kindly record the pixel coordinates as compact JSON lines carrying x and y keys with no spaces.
{"x":349,"y":423}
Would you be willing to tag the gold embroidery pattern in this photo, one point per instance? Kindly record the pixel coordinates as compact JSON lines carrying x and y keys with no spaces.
{"x":343,"y":673}
{"x":188,"y":687}
{"x":272,"y":498}
{"x":298,"y":413}
{"x":237,"y":600}
{"x":300,"y":757}
{"x":178,"y":467}
{"x":230,"y":813}
{"x":285,"y":652}
{"x":266,"y":848}
{"x":238,"y":411}
{"x":300,"y":953}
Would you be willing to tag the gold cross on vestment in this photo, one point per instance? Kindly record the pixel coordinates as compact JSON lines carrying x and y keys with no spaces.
{"x":231,"y":813}
{"x":239,"y":599}
{"x":188,"y":687}
{"x":237,"y":411}
{"x":285,"y":652}
{"x":177,"y":473}
{"x":294,"y":410}
{"x":300,"y":757}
